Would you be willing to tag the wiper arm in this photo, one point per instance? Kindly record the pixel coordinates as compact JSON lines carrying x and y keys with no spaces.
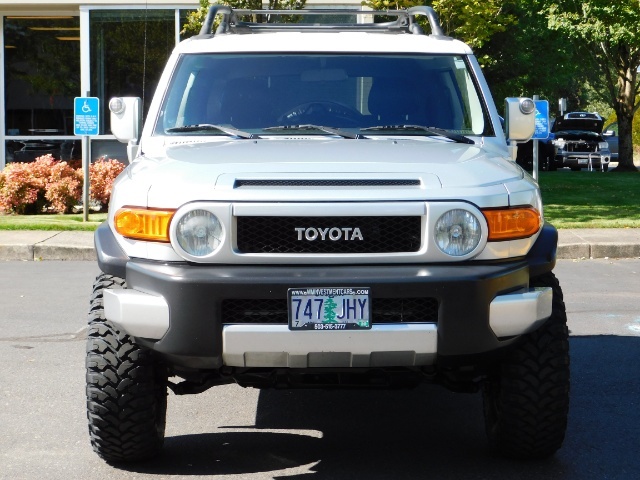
{"x":203,"y":127}
{"x":456,"y":137}
{"x":329,"y":130}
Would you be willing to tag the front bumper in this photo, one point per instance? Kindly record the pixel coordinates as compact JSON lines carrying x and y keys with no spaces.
{"x":583,"y":160}
{"x":176,"y":310}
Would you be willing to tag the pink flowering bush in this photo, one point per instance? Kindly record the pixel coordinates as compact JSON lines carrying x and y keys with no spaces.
{"x":102,"y":174}
{"x":64,"y":187}
{"x":22,"y":185}
{"x":49,"y":185}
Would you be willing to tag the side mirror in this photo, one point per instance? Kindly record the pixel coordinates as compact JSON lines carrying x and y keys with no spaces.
{"x":126,"y":118}
{"x":609,"y":133}
{"x":520,"y":121}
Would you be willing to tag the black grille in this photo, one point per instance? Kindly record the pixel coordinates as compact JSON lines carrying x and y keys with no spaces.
{"x":582,"y":147}
{"x":304,"y":234}
{"x":326,"y":183}
{"x":384,"y":310}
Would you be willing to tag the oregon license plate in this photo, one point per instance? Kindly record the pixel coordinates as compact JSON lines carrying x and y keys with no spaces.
{"x":321,"y":308}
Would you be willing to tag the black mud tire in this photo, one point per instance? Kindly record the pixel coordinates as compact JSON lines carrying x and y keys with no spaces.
{"x":526,"y":398}
{"x":126,"y":388}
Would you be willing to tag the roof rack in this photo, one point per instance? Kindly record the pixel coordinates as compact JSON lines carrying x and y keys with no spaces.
{"x":405,"y":20}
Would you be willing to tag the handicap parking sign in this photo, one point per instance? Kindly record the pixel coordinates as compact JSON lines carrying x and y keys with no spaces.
{"x":86,"y":116}
{"x":542,"y":120}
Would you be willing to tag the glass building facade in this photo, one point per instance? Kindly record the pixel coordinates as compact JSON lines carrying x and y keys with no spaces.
{"x":91,"y":50}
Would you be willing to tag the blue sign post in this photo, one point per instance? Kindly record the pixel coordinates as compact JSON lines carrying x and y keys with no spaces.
{"x":86,"y":122}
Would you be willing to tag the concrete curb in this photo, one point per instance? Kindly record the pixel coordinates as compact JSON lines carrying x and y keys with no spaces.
{"x":50,"y":252}
{"x":586,"y":250}
{"x":599,"y":243}
{"x":16,"y":252}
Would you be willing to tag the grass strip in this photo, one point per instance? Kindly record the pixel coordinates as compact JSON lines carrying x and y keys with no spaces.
{"x":591,"y":199}
{"x":51,"y":222}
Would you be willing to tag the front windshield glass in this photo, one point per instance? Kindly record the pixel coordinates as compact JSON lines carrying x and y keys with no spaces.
{"x":257,"y":92}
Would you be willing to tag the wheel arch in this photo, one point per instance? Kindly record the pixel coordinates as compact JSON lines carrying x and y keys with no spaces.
{"x":542,"y":256}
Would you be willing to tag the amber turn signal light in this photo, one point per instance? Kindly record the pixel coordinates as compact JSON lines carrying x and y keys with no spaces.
{"x":143,"y":224}
{"x":512,"y":223}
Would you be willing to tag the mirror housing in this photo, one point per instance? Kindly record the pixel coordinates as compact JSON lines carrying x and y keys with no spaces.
{"x":520,"y":121}
{"x":126,"y":119}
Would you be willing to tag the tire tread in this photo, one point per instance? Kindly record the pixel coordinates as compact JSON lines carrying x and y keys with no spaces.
{"x":125,"y":388}
{"x":527,"y":399}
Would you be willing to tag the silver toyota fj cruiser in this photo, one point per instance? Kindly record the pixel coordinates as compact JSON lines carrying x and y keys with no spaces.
{"x":325,"y":205}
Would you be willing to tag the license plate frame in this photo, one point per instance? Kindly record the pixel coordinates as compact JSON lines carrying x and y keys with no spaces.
{"x":323,"y":308}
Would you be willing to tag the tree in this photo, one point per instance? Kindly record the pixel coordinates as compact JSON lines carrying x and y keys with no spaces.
{"x":469,"y":20}
{"x":607,"y":32}
{"x":196,"y":18}
{"x":530,"y":59}
{"x":474,"y":22}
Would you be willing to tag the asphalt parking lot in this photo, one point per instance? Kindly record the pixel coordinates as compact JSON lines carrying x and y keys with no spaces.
{"x":235,"y":433}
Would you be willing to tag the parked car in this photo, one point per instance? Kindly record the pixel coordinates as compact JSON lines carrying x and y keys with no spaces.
{"x":610,"y":134}
{"x":578,"y":142}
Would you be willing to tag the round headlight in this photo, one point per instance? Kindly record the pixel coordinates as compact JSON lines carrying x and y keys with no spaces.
{"x":199,"y":233}
{"x":458,"y":232}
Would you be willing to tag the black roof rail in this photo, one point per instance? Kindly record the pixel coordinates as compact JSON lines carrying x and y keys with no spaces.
{"x":404,"y":21}
{"x":207,"y":25}
{"x":431,"y":15}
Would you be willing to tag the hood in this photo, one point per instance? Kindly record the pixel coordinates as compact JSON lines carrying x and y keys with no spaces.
{"x":583,"y":124}
{"x":212,"y":170}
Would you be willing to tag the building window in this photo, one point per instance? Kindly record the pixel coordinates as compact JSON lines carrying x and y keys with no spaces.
{"x":42,"y":76}
{"x":129,"y":49}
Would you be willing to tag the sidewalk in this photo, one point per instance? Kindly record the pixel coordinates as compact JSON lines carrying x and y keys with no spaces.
{"x":49,"y":245}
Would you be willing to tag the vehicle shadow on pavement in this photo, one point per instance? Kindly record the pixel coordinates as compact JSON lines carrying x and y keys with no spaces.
{"x":424,"y":432}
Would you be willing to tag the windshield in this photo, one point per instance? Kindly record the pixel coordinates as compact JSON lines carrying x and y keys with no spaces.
{"x":352,"y":92}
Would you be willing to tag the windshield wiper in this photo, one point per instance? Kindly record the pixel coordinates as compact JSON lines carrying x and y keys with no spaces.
{"x":456,"y":137}
{"x":329,"y":130}
{"x":204,"y":127}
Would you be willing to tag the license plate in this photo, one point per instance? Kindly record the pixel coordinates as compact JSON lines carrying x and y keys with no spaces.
{"x":583,"y":161}
{"x":321,"y":308}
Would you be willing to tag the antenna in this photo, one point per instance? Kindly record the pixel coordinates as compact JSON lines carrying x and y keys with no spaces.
{"x":144,"y":52}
